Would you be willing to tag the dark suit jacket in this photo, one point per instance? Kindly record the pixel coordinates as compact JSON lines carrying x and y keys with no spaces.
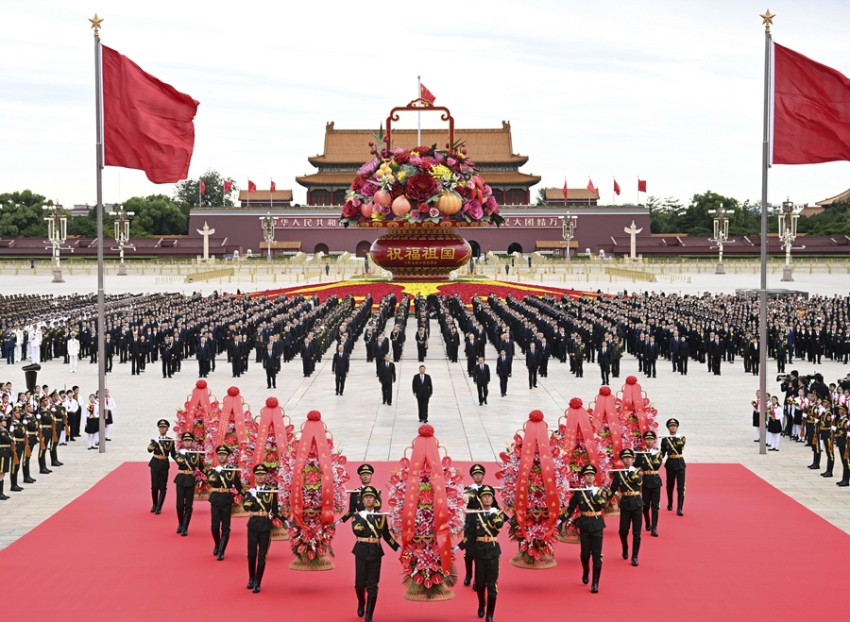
{"x":479,"y":375}
{"x":604,"y":359}
{"x":532,"y":359}
{"x":423,"y":390}
{"x":386,"y":372}
{"x":340,"y":364}
{"x":271,"y":363}
{"x":503,"y":368}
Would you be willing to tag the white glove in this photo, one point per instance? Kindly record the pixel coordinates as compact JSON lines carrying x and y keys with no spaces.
{"x":455,"y":548}
{"x":631,"y":468}
{"x":653,"y":451}
{"x":252,"y":491}
{"x":593,"y":489}
{"x":473,"y":486}
{"x":218,"y":469}
{"x":182,"y":452}
{"x":492,"y":511}
{"x":363,"y":513}
{"x":834,"y":428}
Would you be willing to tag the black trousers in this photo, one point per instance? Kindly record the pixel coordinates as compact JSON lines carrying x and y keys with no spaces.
{"x":487,"y":575}
{"x":423,"y":408}
{"x":845,"y":474}
{"x":339,"y":383}
{"x":503,"y":384}
{"x":421,"y":351}
{"x":631,"y":519}
{"x":258,"y":547}
{"x":615,"y":368}
{"x":532,"y":377}
{"x":159,"y":483}
{"x":683,"y":365}
{"x":579,"y":369}
{"x":134,"y":362}
{"x":482,"y":392}
{"x":591,"y":545}
{"x":185,"y":500}
{"x":271,"y":378}
{"x":220,"y":520}
{"x":367,"y":575}
{"x":651,"y":501}
{"x":649,"y":368}
{"x":676,"y":479}
{"x":387,"y":392}
{"x":605,"y":374}
{"x":167,"y":368}
{"x":829,"y":450}
{"x":674,"y":359}
{"x":74,"y":419}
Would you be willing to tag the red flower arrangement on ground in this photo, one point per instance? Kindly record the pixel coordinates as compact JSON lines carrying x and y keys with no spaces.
{"x":241,"y":453}
{"x":638,"y":414}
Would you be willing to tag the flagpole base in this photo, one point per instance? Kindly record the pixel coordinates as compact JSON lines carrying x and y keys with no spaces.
{"x":787,"y":274}
{"x":57,"y":276}
{"x":122,"y":269}
{"x":720,"y":269}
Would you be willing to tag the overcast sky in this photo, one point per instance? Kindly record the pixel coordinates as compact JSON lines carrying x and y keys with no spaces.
{"x":670,"y":91}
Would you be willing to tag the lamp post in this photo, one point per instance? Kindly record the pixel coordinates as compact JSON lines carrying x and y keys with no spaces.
{"x":568,"y":228}
{"x":57,"y":233}
{"x":788,"y":233}
{"x":122,"y":235}
{"x":267,"y":223}
{"x":721,"y":234}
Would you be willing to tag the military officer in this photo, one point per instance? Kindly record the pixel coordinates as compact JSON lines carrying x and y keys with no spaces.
{"x":590,"y":501}
{"x":355,"y":503}
{"x":649,"y":463}
{"x":825,"y":426}
{"x":673,"y":447}
{"x":369,"y":527}
{"x":812,"y":421}
{"x":46,"y":438}
{"x":29,"y":420}
{"x":477,"y":472}
{"x":223,"y":482}
{"x":162,"y":448}
{"x":187,"y":462}
{"x":261,"y":504}
{"x":841,"y":424}
{"x":6,"y":454}
{"x":629,"y":483}
{"x":18,"y":432}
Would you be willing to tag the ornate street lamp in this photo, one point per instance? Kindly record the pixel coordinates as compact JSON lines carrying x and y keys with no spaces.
{"x":788,"y":233}
{"x":267,"y":223}
{"x":568,"y":228}
{"x":57,"y":233}
{"x":721,"y":234}
{"x":122,"y":235}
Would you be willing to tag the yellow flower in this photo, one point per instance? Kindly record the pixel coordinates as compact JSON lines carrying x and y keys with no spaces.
{"x":402,"y":175}
{"x":376,"y":215}
{"x":441,"y":172}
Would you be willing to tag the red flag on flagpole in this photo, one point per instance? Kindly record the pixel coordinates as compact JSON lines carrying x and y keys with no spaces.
{"x":811,"y":110}
{"x":565,"y":190}
{"x":228,"y":185}
{"x":425,"y":94}
{"x":590,"y":186}
{"x":252,"y":187}
{"x":616,"y":188}
{"x":147,"y":124}
{"x":273,"y":187}
{"x":642,"y":185}
{"x":203,"y":187}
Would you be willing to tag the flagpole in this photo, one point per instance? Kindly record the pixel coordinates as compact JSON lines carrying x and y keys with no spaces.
{"x":418,"y":113}
{"x":249,"y":194}
{"x":101,"y":304}
{"x":767,"y":20}
{"x":637,"y":194}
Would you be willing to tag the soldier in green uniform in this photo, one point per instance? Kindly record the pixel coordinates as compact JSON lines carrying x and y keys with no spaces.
{"x":30,"y":422}
{"x":477,"y":472}
{"x":812,"y":422}
{"x":46,"y":435}
{"x":590,"y":523}
{"x":673,"y":447}
{"x":649,"y":463}
{"x":261,"y":504}
{"x":840,"y":432}
{"x":355,"y":503}
{"x":188,"y":462}
{"x":481,"y":534}
{"x":162,"y":448}
{"x":223,"y":482}
{"x":18,"y":432}
{"x":825,"y":424}
{"x":369,"y":528}
{"x":6,"y":454}
{"x":628,"y":483}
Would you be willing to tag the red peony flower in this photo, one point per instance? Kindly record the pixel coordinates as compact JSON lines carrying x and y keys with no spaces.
{"x":311,"y":478}
{"x":605,"y":391}
{"x":401,"y":156}
{"x":536,"y":479}
{"x":421,"y":150}
{"x":426,"y":497}
{"x":349,"y":210}
{"x":421,"y":187}
{"x":576,"y":402}
{"x":357,"y":184}
{"x":535,"y":415}
{"x":631,"y":380}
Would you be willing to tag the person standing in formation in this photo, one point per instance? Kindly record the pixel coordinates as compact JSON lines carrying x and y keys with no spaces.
{"x":339,"y":367}
{"x":422,"y":390}
{"x":271,"y":363}
{"x":421,"y":343}
{"x":73,"y":353}
{"x":628,"y":482}
{"x":590,"y":501}
{"x":386,"y":374}
{"x":673,"y":447}
{"x":369,"y":528}
{"x":223,"y":483}
{"x":261,"y":504}
{"x":109,"y":402}
{"x":481,"y":378}
{"x":825,"y":430}
{"x":842,"y":423}
{"x":532,"y":363}
{"x":188,"y":462}
{"x":6,"y":455}
{"x":162,"y":449}
{"x":604,"y":360}
{"x":649,"y":463}
{"x":481,"y":535}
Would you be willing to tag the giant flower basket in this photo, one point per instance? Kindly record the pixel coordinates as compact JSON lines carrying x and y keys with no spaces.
{"x":312,"y":490}
{"x":637,"y":413}
{"x":235,"y":429}
{"x":426,"y":507}
{"x":610,"y":429}
{"x":420,"y":195}
{"x":271,"y":447}
{"x":580,"y":445}
{"x":197,"y":416}
{"x":535,"y":478}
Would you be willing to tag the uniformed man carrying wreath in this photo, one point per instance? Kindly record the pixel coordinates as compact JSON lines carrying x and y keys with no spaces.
{"x":673,"y":447}
{"x":223,"y":482}
{"x":369,"y":528}
{"x":6,"y":454}
{"x":477,"y":471}
{"x":649,"y":463}
{"x":628,"y":483}
{"x":481,"y":535}
{"x":187,"y":462}
{"x":590,"y":523}
{"x":355,"y":502}
{"x":261,"y":504}
{"x":162,"y":448}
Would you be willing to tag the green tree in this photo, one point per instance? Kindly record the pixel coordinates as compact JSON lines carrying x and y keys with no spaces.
{"x":541,"y":197}
{"x":86,"y":226}
{"x":664,"y":215}
{"x":834,"y":220}
{"x":156,"y":214}
{"x":187,"y":196}
{"x":23,"y":215}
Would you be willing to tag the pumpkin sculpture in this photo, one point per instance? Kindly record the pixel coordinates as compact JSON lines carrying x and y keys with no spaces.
{"x":449,"y":203}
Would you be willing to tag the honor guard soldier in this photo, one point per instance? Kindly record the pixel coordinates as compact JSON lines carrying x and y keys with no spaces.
{"x":841,"y":424}
{"x":673,"y":447}
{"x":590,"y":501}
{"x":18,"y":432}
{"x":223,"y":482}
{"x":31,"y":423}
{"x":628,"y":483}
{"x":261,"y":504}
{"x":477,"y":472}
{"x":825,"y":426}
{"x":481,"y":535}
{"x":812,"y":421}
{"x":355,"y":503}
{"x":649,"y":463}
{"x":162,"y":448}
{"x":187,"y":462}
{"x":6,"y":455}
{"x":46,"y":435}
{"x":369,"y":527}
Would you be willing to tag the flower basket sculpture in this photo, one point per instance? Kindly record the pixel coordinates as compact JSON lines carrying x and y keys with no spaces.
{"x":312,"y":490}
{"x":637,"y":414}
{"x":196,"y":417}
{"x":235,"y":429}
{"x":421,"y":195}
{"x":535,"y":479}
{"x":580,"y":446}
{"x":609,"y":427}
{"x":426,"y":508}
{"x":270,"y":447}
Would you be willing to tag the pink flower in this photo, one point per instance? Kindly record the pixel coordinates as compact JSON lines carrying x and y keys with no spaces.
{"x":368,"y":168}
{"x":473,"y":209}
{"x":415,"y":214}
{"x":434,"y":212}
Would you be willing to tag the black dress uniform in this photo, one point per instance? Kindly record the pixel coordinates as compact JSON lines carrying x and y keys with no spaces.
{"x":590,"y":525}
{"x":673,"y":447}
{"x":221,"y":483}
{"x":649,"y":463}
{"x":6,"y":458}
{"x":29,"y":420}
{"x":841,"y":425}
{"x":369,"y":529}
{"x":355,"y":501}
{"x":18,"y":432}
{"x":46,"y":424}
{"x":472,"y":493}
{"x":187,"y":463}
{"x":825,"y":424}
{"x":812,"y":440}
{"x":481,"y":536}
{"x":162,"y":448}
{"x":263,"y":508}
{"x":628,"y":483}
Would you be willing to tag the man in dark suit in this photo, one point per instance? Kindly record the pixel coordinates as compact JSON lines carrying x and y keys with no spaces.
{"x":684,"y":355}
{"x":136,"y":354}
{"x":481,"y":378}
{"x":166,"y":354}
{"x":532,"y":362}
{"x":204,"y":355}
{"x":503,"y":370}
{"x":545,"y":351}
{"x":381,"y":348}
{"x":471,"y":352}
{"x":507,"y":345}
{"x":422,"y":389}
{"x":386,"y":373}
{"x":650,"y":358}
{"x":271,"y":363}
{"x":339,"y":366}
{"x":604,"y":360}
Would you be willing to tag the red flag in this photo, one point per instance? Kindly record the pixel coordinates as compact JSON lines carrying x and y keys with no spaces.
{"x":811,"y":110}
{"x":203,"y":187}
{"x":590,"y":186}
{"x":227,"y":186}
{"x":273,"y":187}
{"x":252,"y":187}
{"x":426,"y":94}
{"x":642,"y":185}
{"x":147,"y":124}
{"x":565,"y":191}
{"x":616,"y":188}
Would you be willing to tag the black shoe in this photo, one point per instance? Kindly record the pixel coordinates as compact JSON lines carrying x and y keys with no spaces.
{"x":153,"y":508}
{"x":634,"y":561}
{"x":467,"y":580}
{"x":29,"y":480}
{"x":257,"y":588}
{"x":594,"y":587}
{"x":669,"y":507}
{"x":250,"y":585}
{"x":482,"y":603}
{"x":842,"y":483}
{"x":826,"y":474}
{"x":3,"y":497}
{"x":585,"y":571}
{"x":44,"y":471}
{"x":58,"y":464}
{"x":679,"y":512}
{"x":654,"y":532}
{"x":625,"y":553}
{"x":19,"y":489}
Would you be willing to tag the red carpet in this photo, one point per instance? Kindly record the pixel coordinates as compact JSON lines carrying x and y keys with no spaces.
{"x":739,"y":553}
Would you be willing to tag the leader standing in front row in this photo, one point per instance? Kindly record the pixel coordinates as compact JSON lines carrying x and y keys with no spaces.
{"x":422,"y":389}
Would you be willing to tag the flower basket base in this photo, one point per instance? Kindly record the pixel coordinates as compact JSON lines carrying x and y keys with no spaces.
{"x":612,"y":510}
{"x":420,"y":253}
{"x":529,"y":563}
{"x":238,"y":511}
{"x":320,"y":562}
{"x":570,"y":537}
{"x":432,"y":594}
{"x":278,"y":533}
{"x":202,"y":496}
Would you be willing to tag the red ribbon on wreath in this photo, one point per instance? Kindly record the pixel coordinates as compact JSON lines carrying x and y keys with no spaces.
{"x":536,"y":441}
{"x":425,"y":458}
{"x":232,"y":408}
{"x":200,"y":397}
{"x":634,"y":401}
{"x":313,"y":433}
{"x":606,"y":410}
{"x":578,"y":419}
{"x":271,"y":422}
